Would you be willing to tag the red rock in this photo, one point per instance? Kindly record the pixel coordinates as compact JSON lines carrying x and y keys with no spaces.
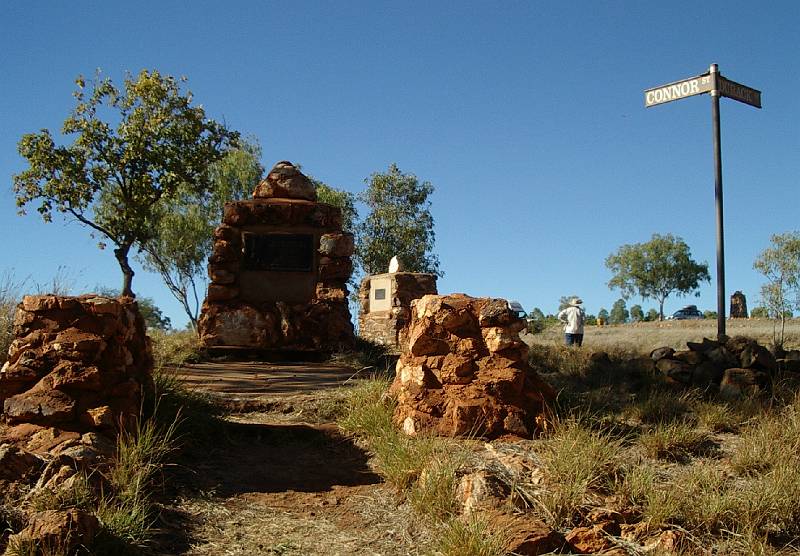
{"x":525,"y":535}
{"x":59,"y":530}
{"x":337,"y":245}
{"x":42,"y":408}
{"x":286,"y":181}
{"x":590,"y":540}
{"x":219,"y":292}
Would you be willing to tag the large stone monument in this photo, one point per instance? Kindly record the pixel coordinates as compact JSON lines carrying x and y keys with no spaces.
{"x":385,"y":304}
{"x":465,"y":371}
{"x":279,"y":271}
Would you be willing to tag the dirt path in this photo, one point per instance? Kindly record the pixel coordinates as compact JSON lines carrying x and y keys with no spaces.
{"x":273,"y":486}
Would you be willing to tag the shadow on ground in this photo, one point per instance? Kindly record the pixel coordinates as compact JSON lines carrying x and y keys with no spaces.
{"x":260,"y":459}
{"x":277,"y":458}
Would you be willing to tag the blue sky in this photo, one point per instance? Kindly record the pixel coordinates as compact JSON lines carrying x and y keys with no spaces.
{"x":527,"y":117}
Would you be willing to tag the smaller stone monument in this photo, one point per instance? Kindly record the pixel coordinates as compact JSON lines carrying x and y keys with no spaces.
{"x":385,"y":301}
{"x":465,"y":371}
{"x":738,"y":306}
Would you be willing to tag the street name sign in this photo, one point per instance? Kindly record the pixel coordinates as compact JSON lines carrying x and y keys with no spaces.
{"x":737,"y":91}
{"x":678,"y":90}
{"x":718,"y":86}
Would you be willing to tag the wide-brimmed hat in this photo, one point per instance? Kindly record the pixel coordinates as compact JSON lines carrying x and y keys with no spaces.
{"x":576,"y":301}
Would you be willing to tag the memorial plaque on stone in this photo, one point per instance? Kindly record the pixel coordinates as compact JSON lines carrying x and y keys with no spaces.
{"x":279,"y":252}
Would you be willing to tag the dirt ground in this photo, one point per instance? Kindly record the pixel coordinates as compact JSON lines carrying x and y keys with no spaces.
{"x":276,"y":484}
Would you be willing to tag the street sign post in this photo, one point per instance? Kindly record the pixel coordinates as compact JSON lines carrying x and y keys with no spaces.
{"x":715,"y":84}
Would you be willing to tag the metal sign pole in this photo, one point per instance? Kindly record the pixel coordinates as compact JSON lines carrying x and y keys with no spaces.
{"x":715,"y":93}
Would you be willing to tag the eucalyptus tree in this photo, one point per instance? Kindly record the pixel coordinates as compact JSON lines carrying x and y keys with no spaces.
{"x":399,"y":223}
{"x":656,"y":269}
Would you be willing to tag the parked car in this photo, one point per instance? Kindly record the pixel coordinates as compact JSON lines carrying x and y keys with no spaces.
{"x":516,"y":307}
{"x":690,"y":312}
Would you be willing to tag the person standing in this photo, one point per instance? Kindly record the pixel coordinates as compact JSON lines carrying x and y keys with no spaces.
{"x":573,"y":316}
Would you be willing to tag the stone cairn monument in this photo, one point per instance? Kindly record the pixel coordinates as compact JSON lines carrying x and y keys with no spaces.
{"x":76,"y":363}
{"x":385,"y":304}
{"x":279,"y":271}
{"x":738,"y":306}
{"x":464,"y":370}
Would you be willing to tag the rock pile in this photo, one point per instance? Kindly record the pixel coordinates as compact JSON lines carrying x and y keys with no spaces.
{"x":76,"y":373}
{"x":76,"y":363}
{"x":738,"y":366}
{"x":464,"y":370}
{"x":284,"y":306}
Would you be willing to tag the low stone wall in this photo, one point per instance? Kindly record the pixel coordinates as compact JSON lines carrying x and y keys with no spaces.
{"x":464,"y":370}
{"x":737,"y":366}
{"x":77,"y":363}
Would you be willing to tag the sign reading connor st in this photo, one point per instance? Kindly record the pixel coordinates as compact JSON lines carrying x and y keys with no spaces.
{"x":678,"y":90}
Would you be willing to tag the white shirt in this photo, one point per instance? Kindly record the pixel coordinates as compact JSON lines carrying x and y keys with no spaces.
{"x":574,"y":320}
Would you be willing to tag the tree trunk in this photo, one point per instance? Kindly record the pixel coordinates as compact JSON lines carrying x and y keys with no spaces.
{"x":121,"y":253}
{"x":661,"y":309}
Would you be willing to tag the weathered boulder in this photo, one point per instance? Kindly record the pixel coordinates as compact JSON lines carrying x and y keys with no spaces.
{"x":286,"y":181}
{"x":464,"y":370}
{"x":524,"y":535}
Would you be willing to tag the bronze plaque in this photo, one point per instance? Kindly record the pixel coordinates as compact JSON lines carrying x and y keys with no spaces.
{"x":279,"y":252}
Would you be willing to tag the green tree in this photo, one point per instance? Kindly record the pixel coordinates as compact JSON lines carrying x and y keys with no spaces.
{"x":602,"y":314}
{"x":780,"y":264}
{"x":637,"y":315}
{"x":180,"y":249}
{"x":120,"y":171}
{"x":709,"y":314}
{"x":656,"y":269}
{"x":536,"y":321}
{"x":339,"y":198}
{"x":619,"y":313}
{"x":759,"y":313}
{"x":651,"y":315}
{"x":399,"y":223}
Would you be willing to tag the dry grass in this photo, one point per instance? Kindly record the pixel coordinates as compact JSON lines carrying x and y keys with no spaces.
{"x":469,"y":537}
{"x":643,"y":337}
{"x":174,"y":347}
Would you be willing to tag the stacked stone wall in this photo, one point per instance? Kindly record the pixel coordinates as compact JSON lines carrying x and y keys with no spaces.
{"x":77,"y":363}
{"x":736,"y":367}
